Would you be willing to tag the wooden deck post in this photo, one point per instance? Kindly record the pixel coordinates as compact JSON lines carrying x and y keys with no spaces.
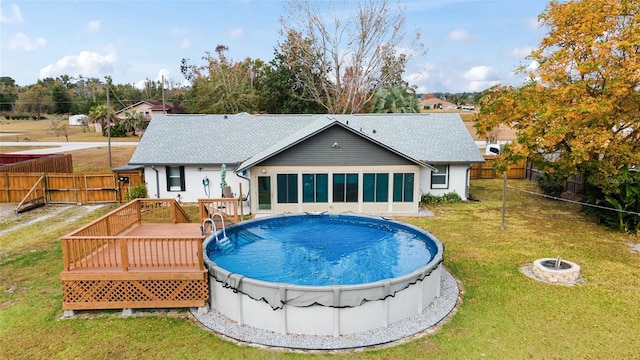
{"x":124,"y":254}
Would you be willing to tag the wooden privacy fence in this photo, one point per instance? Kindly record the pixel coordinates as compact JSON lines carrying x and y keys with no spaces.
{"x":127,"y":259}
{"x":486,"y":170}
{"x":26,"y":163}
{"x":59,"y":188}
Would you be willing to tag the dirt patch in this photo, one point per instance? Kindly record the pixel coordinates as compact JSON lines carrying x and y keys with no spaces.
{"x":12,"y":221}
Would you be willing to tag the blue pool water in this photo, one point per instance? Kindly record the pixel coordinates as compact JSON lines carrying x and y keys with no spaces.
{"x":323,"y":249}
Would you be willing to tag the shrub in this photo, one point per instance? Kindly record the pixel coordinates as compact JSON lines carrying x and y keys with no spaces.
{"x":448,"y":198}
{"x":550,"y":185}
{"x":624,"y":203}
{"x":137,"y":192}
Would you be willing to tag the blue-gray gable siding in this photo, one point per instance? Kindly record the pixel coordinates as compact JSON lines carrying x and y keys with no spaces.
{"x":351,"y":149}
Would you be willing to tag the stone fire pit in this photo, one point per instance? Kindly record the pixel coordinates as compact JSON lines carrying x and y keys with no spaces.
{"x":556,"y":271}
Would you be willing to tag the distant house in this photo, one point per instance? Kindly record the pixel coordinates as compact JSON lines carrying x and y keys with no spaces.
{"x":78,"y":120}
{"x":436,"y":104}
{"x":147,"y":107}
{"x":365,"y":163}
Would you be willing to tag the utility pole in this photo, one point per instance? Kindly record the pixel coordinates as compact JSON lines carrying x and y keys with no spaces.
{"x":109,"y":123}
{"x":504,"y":198}
{"x":164,"y":110}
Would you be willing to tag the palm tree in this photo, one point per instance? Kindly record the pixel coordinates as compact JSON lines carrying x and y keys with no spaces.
{"x":133,"y":120}
{"x":102,"y":115}
{"x":394,"y":99}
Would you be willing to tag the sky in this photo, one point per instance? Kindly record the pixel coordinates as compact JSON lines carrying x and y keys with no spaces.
{"x":471,"y":45}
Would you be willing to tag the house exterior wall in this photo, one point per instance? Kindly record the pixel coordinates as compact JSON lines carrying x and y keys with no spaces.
{"x":458,"y":181}
{"x":359,"y":207}
{"x":193,"y":177}
{"x":336,"y":147}
{"x":143,"y":108}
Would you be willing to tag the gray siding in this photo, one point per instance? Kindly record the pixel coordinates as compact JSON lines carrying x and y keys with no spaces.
{"x":352,"y":149}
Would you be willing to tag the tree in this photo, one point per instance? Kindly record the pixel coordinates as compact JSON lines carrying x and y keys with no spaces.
{"x":280,"y":86}
{"x":133,"y":120}
{"x":61,"y":98}
{"x":102,"y":115}
{"x":580,"y":110}
{"x":394,"y":99}
{"x":344,"y":56}
{"x":221,"y":86}
{"x":8,"y":93}
{"x":35,"y":101}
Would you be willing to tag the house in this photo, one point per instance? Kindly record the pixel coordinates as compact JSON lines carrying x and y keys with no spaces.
{"x":365,"y":163}
{"x":78,"y":120}
{"x":436,"y":104}
{"x":147,"y":107}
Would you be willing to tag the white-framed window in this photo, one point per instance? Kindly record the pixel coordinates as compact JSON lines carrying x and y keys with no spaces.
{"x":440,"y":178}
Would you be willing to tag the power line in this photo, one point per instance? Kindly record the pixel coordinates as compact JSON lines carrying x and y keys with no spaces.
{"x":573,"y":201}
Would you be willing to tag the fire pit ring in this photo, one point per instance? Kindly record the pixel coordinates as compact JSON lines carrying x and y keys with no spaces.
{"x":556,"y":270}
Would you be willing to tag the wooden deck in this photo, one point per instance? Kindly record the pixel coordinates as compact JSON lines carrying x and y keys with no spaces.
{"x":121,"y":261}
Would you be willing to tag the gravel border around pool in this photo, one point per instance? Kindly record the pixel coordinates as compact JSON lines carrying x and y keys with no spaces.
{"x":432,"y":315}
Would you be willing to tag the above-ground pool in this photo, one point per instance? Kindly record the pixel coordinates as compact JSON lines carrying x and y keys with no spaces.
{"x":324,"y":274}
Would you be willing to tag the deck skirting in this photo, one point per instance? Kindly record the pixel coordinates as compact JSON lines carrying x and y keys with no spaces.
{"x":134,"y":290}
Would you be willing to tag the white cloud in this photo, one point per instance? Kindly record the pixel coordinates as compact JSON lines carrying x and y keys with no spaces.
{"x":141,"y":84}
{"x":14,"y":17}
{"x":86,"y":63}
{"x":25,"y":43}
{"x":481,"y":77}
{"x":94,"y":26}
{"x":533,"y":65}
{"x":521,"y":52}
{"x":460,"y":35}
{"x":185,"y":43}
{"x":234,"y":33}
{"x":481,"y":73}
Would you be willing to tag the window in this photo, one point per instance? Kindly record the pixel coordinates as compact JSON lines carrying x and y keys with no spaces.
{"x":375,"y":187}
{"x":175,"y":178}
{"x":403,"y":187}
{"x":287,"y":188}
{"x":440,"y":179}
{"x":315,"y":188}
{"x":345,"y":187}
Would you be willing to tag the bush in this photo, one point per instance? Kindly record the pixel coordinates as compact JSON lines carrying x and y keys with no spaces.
{"x":118,"y":131}
{"x":137,"y":192}
{"x":448,"y":198}
{"x":624,"y":203}
{"x":550,"y":185}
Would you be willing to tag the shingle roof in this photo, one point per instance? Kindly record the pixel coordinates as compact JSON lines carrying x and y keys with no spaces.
{"x":233,"y":139}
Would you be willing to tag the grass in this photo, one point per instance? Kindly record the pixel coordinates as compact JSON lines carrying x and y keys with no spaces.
{"x":40,"y":130}
{"x":90,"y":160}
{"x":503,"y":314}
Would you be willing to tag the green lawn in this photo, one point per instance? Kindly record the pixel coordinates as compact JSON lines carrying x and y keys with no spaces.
{"x":503,"y":315}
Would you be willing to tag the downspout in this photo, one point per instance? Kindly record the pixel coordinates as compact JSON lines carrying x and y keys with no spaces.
{"x":248,"y":190}
{"x":157,"y":181}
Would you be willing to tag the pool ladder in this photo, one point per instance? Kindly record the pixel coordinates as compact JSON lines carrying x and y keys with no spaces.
{"x":224,"y":244}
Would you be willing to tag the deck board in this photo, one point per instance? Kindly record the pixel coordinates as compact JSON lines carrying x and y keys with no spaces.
{"x":164,"y":230}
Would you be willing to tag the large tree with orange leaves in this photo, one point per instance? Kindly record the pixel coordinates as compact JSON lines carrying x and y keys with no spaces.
{"x":580,"y":110}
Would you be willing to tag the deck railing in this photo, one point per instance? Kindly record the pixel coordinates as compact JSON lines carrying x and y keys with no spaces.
{"x":98,"y":246}
{"x":162,"y":211}
{"x":227,"y":207}
{"x":131,"y":253}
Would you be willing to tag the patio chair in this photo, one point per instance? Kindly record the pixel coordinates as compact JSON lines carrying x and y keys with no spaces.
{"x":226,"y":192}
